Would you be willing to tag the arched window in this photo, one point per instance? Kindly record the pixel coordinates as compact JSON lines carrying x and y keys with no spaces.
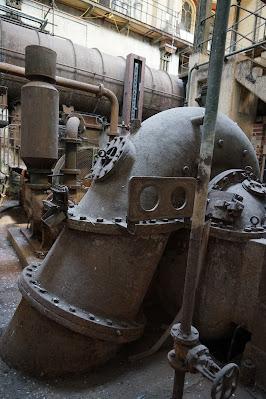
{"x":186,"y":18}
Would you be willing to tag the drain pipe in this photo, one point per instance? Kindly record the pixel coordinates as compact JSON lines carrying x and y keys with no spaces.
{"x":187,"y":354}
{"x":100,"y":91}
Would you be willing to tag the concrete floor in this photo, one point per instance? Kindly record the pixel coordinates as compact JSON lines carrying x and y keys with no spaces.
{"x":151,"y":378}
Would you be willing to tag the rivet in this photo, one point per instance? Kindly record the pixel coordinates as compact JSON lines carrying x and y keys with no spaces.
{"x":99,"y":220}
{"x":220,"y":142}
{"x":245,"y":152}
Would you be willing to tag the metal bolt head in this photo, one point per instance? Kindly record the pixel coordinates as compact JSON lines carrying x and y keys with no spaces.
{"x":99,"y":220}
{"x":118,"y":220}
{"x":82,"y":218}
{"x":220,"y":142}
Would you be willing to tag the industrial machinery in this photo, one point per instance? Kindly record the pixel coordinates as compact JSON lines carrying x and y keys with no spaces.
{"x":139,"y":92}
{"x":84,"y":300}
{"x":160,"y":90}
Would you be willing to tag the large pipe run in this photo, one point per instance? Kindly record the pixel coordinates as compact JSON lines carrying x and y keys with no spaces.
{"x":162,"y":90}
{"x":72,"y":84}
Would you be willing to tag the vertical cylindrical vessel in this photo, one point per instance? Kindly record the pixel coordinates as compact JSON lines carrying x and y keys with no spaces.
{"x":40,"y":104}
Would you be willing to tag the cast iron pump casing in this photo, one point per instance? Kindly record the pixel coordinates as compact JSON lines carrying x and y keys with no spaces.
{"x":85,"y":299}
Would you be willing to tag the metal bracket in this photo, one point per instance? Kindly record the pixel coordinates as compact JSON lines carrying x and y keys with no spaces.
{"x":55,"y":211}
{"x":160,"y":197}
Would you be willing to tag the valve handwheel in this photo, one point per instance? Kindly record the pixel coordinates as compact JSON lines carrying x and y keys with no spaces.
{"x":225,"y":382}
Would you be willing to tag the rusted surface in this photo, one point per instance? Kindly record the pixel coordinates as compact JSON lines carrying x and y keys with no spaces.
{"x":148,"y":379}
{"x":173,"y":197}
{"x":38,"y":345}
{"x":230,"y":275}
{"x":105,"y":275}
{"x":73,"y":84}
{"x":39,"y":141}
{"x":162,"y":91}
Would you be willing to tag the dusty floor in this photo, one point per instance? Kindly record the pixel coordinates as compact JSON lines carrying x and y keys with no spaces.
{"x":151,"y":378}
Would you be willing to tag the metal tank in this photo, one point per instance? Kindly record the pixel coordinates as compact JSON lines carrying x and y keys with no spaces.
{"x":84,"y":300}
{"x":39,"y":110}
{"x":162,"y":91}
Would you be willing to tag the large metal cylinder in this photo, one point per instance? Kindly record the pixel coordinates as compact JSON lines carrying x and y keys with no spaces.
{"x":162,"y":91}
{"x":95,"y":277}
{"x":39,"y":110}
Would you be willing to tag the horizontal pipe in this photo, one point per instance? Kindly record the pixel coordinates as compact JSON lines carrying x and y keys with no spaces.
{"x":73,"y":84}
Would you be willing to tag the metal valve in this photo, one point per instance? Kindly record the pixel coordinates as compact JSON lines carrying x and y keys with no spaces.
{"x":224,"y":380}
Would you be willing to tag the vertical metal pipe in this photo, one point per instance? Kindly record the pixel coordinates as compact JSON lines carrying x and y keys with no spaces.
{"x":200,"y":33}
{"x":235,"y":31}
{"x":205,"y":163}
{"x":179,"y":383}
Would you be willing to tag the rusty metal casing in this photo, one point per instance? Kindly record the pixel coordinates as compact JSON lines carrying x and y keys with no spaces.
{"x":39,"y":114}
{"x":94,"y":278}
{"x":230,"y":276}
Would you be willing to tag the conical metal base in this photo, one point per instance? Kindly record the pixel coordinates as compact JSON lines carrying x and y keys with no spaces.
{"x":41,"y":347}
